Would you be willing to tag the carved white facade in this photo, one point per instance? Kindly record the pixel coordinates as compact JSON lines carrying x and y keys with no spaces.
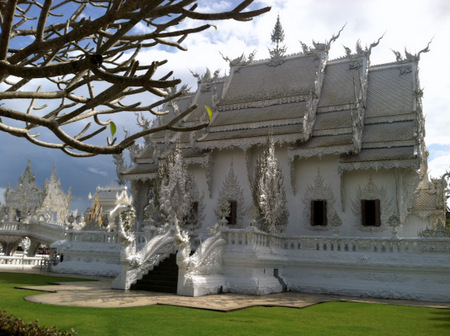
{"x":55,"y":203}
{"x":364,"y":219}
{"x":23,"y":201}
{"x":29,"y":211}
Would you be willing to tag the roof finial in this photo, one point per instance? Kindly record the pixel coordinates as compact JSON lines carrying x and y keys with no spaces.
{"x":277,"y":33}
{"x":277,"y":54}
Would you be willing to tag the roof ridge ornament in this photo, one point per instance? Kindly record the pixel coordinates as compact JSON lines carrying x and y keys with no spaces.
{"x":416,"y":57}
{"x":360,"y":51}
{"x":322,"y":47}
{"x":277,"y":55}
{"x":335,"y":37}
{"x":374,"y":44}
{"x":239,"y":61}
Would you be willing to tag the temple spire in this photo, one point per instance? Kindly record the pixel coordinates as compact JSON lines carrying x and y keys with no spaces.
{"x":277,"y":54}
{"x":277,"y":33}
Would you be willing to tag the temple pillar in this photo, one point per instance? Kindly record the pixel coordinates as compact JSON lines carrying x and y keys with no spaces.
{"x":10,"y":244}
{"x":33,"y":247}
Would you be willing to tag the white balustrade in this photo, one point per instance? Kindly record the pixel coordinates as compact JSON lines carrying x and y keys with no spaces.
{"x":10,"y":226}
{"x":41,"y":230}
{"x":18,"y":260}
{"x":92,"y":237}
{"x":242,"y":237}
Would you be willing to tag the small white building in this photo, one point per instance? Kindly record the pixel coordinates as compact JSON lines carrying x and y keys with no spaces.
{"x":29,"y":211}
{"x":94,"y":249}
{"x":108,"y":201}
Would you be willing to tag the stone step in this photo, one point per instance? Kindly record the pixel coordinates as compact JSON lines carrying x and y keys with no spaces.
{"x":158,"y":289}
{"x":163,"y":278}
{"x":163,"y":281}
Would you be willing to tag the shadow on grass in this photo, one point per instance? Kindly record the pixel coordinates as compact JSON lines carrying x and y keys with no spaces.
{"x":442,"y":317}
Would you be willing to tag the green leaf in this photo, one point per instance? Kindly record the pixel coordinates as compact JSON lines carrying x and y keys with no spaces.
{"x":209,"y":111}
{"x":113,"y":128}
{"x":215,"y":27}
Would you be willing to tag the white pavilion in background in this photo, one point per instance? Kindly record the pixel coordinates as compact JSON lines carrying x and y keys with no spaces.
{"x":108,"y":202}
{"x":29,"y":211}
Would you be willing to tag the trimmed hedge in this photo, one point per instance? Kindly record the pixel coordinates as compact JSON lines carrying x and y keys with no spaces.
{"x":13,"y":326}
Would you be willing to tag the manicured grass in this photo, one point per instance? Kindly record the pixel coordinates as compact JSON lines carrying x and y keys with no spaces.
{"x":334,"y":318}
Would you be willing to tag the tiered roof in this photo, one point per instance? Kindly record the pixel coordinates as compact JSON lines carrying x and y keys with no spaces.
{"x":370,"y":116}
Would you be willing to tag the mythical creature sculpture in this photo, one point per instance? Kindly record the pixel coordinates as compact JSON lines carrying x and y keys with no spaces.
{"x":119,"y":161}
{"x":135,"y":264}
{"x":305,"y":47}
{"x":128,"y":241}
{"x":235,"y":61}
{"x":206,"y":260}
{"x":206,"y":77}
{"x":416,"y":57}
{"x":398,"y":56}
{"x":348,"y":51}
{"x":251,"y":56}
{"x":184,"y":246}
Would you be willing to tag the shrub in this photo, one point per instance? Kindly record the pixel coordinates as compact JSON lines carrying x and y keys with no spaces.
{"x":13,"y":326}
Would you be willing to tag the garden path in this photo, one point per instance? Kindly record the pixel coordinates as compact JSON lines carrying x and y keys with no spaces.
{"x":99,"y":294}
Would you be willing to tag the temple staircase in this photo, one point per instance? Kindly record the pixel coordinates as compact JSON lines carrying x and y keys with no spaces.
{"x":155,"y":261}
{"x":162,"y":278}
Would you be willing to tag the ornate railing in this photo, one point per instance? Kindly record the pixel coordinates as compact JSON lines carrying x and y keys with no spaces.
{"x":49,"y":232}
{"x":104,"y":237}
{"x":10,"y":226}
{"x":101,"y":237}
{"x":338,"y":244}
{"x":18,"y":260}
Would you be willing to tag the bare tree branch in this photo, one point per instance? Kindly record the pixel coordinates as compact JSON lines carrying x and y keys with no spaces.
{"x":86,"y":68}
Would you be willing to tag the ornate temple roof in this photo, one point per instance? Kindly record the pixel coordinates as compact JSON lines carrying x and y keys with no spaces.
{"x":50,"y":204}
{"x":111,"y":194}
{"x":370,"y":116}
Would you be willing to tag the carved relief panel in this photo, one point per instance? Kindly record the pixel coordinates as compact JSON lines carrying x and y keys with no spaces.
{"x":372,"y":201}
{"x":320,"y":194}
{"x":231,"y":199}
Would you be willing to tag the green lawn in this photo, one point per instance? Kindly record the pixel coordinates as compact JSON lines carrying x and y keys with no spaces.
{"x":334,"y":318}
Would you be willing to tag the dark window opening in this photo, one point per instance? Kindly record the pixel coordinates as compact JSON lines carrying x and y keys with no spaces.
{"x":194,"y":212}
{"x":370,"y":212}
{"x":192,"y":217}
{"x":319,"y":213}
{"x":231,"y":219}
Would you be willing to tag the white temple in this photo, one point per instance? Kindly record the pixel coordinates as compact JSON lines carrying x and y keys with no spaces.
{"x":315,"y":171}
{"x":41,"y":215}
{"x":310,"y":176}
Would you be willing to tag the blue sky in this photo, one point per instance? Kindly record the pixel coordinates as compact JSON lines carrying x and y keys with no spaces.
{"x":409,"y":24}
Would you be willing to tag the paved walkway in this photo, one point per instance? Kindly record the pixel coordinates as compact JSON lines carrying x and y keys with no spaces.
{"x":99,"y":294}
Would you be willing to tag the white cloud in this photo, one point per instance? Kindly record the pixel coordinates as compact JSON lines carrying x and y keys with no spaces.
{"x":407,"y":24}
{"x":440,"y":165}
{"x":404,"y":23}
{"x":97,"y":171}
